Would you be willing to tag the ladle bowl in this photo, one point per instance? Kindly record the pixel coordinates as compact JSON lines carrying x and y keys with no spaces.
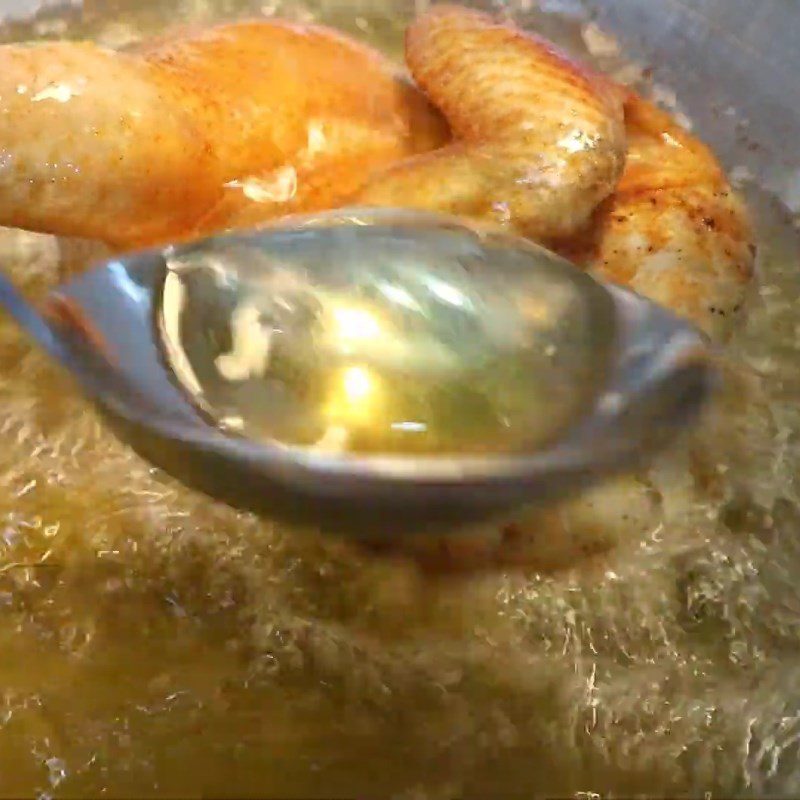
{"x":374,"y":372}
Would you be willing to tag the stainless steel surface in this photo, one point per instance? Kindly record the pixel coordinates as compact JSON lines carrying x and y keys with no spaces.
{"x":733,"y":65}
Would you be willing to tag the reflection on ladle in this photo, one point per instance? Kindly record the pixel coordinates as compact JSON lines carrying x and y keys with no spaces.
{"x":366,"y":361}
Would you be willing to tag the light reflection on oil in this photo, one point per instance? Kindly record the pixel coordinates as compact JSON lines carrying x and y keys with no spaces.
{"x":355,"y":398}
{"x":358,"y":385}
{"x":60,"y":92}
{"x":355,"y":324}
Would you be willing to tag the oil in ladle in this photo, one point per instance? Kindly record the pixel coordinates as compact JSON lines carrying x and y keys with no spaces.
{"x":385,"y":339}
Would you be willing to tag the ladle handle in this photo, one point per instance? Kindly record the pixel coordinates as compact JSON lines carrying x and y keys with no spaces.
{"x":28,"y":318}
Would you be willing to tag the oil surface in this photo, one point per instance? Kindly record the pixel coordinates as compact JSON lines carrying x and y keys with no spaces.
{"x":156,"y":645}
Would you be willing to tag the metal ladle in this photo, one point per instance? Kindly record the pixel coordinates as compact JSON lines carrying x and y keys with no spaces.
{"x":373,"y":372}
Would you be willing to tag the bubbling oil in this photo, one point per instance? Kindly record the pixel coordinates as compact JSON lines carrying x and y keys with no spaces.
{"x":158,"y":645}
